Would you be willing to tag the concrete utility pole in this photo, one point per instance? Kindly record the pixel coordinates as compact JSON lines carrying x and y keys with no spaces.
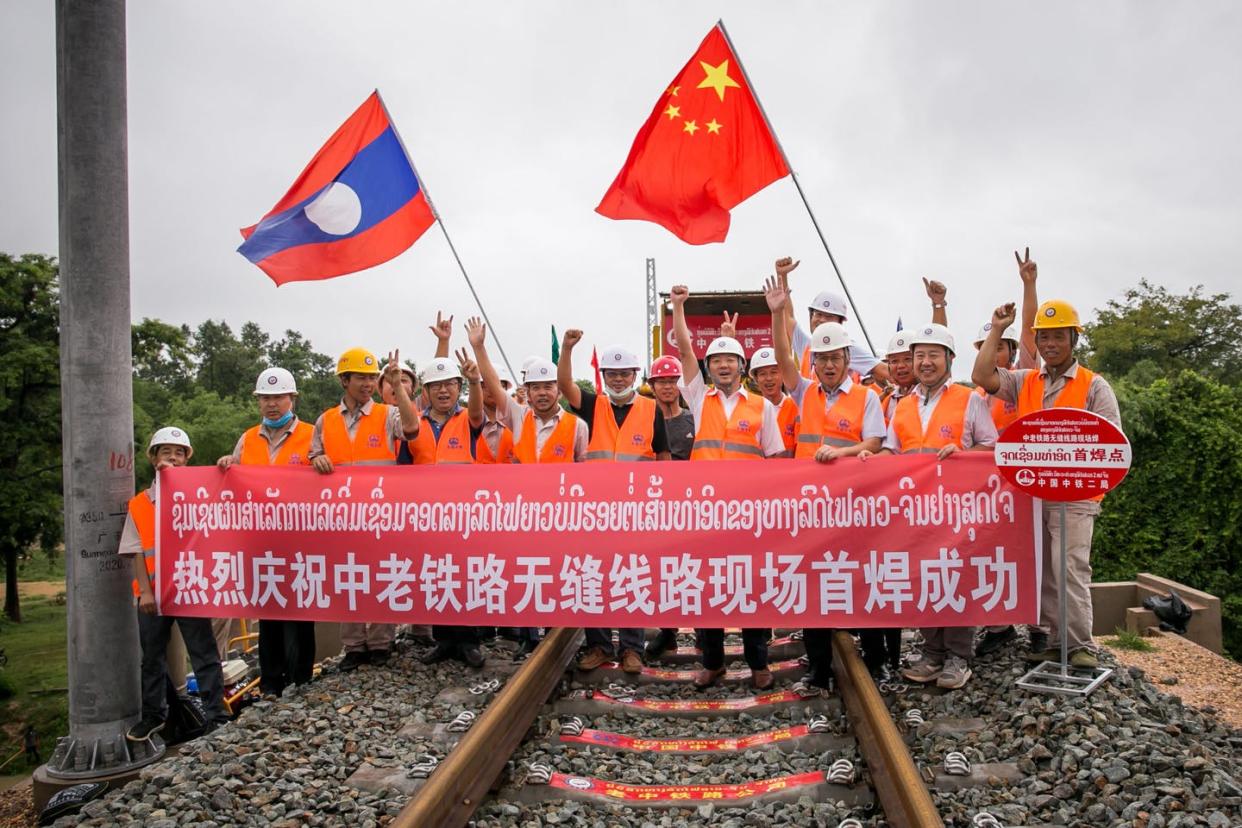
{"x":96,"y":393}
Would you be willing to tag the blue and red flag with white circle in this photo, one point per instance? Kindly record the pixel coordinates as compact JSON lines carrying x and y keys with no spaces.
{"x":357,"y":204}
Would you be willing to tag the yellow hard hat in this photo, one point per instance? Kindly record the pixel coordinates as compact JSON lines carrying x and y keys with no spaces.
{"x":357,"y":361}
{"x":1056,"y":313}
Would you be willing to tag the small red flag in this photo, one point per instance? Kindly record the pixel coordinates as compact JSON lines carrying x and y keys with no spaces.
{"x":705,"y":149}
{"x":599,"y":382}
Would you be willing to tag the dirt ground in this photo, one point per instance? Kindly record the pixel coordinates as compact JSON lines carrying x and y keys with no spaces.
{"x":46,"y":589}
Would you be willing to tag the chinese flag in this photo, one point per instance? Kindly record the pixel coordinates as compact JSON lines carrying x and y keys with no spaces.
{"x":705,"y":148}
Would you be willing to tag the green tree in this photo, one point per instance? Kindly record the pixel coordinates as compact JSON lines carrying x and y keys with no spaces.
{"x":30,"y":470}
{"x":162,"y":354}
{"x":314,"y":372}
{"x":1153,"y":333}
{"x":228,"y":365}
{"x":213,"y":424}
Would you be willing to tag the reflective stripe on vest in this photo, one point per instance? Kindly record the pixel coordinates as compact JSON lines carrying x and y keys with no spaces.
{"x":370,"y":445}
{"x":558,"y":448}
{"x":629,"y":441}
{"x":294,"y":451}
{"x":142,"y":512}
{"x":1073,"y":395}
{"x":945,"y":426}
{"x":839,"y":426}
{"x":734,"y":438}
{"x":453,"y":447}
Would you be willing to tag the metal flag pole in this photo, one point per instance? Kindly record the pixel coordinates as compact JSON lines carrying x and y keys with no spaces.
{"x":814,"y":222}
{"x":452,"y":248}
{"x":1063,"y":591}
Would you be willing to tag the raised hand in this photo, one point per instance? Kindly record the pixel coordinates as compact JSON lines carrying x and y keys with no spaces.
{"x":776,"y":292}
{"x":1027,"y":270}
{"x":443,"y":329}
{"x":572,"y":337}
{"x":392,"y":371}
{"x":678,"y":295}
{"x":786,"y":266}
{"x":729,"y":326}
{"x":469,"y":369}
{"x":476,"y":332}
{"x":1004,"y":316}
{"x":936,"y":291}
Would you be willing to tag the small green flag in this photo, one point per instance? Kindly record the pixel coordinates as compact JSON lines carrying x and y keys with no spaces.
{"x":556,"y":346}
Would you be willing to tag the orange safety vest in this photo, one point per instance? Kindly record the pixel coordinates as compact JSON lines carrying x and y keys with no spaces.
{"x":292,"y":452}
{"x":504,"y":449}
{"x":453,"y":447}
{"x":839,"y":426}
{"x":734,"y":438}
{"x":629,"y":441}
{"x":787,"y":419}
{"x":1003,"y":413}
{"x":946,"y":425}
{"x":370,"y":445}
{"x":558,"y":448}
{"x":1073,"y":395}
{"x":142,"y":512}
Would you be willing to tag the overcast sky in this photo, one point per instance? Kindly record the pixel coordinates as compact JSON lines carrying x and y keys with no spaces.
{"x":931,"y":138}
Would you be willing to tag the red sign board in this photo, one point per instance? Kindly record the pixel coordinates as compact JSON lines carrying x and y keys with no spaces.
{"x":754,"y":331}
{"x":1063,"y":454}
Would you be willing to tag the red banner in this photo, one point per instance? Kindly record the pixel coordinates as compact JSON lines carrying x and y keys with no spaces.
{"x":754,"y":331}
{"x":890,"y":542}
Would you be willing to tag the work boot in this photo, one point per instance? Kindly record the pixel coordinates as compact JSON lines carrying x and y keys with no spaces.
{"x":352,"y":661}
{"x":665,"y":642}
{"x":993,"y":641}
{"x":594,"y":657}
{"x":378,"y":657}
{"x":1038,"y":640}
{"x":1084,"y":659}
{"x":1046,"y":654}
{"x":706,"y":678}
{"x":472,"y":655}
{"x":631,"y":662}
{"x":145,"y":729}
{"x":762,"y":679}
{"x":954,"y":675}
{"x":524,"y":649}
{"x":443,"y":651}
{"x":924,"y":671}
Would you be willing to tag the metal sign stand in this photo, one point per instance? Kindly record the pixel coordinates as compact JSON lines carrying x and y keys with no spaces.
{"x":1050,"y":677}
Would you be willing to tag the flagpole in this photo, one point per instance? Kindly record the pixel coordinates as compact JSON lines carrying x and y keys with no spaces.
{"x":452,"y":248}
{"x":814,"y":221}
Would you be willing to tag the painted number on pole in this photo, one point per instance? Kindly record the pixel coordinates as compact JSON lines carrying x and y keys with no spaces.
{"x":1063,"y":454}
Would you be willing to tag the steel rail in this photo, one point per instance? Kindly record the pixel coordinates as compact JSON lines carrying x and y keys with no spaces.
{"x":902,"y":793}
{"x":457,"y":786}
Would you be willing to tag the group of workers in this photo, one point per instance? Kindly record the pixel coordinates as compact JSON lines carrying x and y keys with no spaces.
{"x":814,"y":394}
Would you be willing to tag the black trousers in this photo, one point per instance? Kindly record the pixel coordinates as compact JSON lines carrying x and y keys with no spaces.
{"x":754,"y":648}
{"x":879,"y":646}
{"x":818,"y":644}
{"x":286,"y":654}
{"x":455,"y":635}
{"x":200,"y":644}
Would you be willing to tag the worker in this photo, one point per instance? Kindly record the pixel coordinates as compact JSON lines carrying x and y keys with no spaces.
{"x":622,"y":427}
{"x":360,"y":431}
{"x":286,"y":648}
{"x":724,"y":429}
{"x":169,"y":448}
{"x":827,"y":306}
{"x":449,"y":434}
{"x":1061,"y":383}
{"x":901,"y":379}
{"x":939,"y":417}
{"x":766,"y":374}
{"x":543,"y":432}
{"x":837,"y":418}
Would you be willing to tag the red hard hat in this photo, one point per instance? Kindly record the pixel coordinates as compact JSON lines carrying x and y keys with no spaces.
{"x":665,"y":366}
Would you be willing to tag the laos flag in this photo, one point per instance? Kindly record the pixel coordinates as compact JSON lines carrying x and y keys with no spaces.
{"x":356,"y":205}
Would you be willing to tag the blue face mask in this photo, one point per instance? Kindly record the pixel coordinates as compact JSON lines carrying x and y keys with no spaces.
{"x":278,"y":423}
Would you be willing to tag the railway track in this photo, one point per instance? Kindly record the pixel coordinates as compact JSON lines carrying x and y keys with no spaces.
{"x":536,"y":743}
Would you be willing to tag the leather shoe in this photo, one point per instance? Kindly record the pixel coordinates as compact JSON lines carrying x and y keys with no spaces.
{"x":993,"y":641}
{"x":631,"y":662}
{"x":762,"y":679}
{"x":352,"y":661}
{"x":593,"y":658}
{"x":443,"y":651}
{"x":665,"y":642}
{"x":472,"y":655}
{"x":706,"y":678}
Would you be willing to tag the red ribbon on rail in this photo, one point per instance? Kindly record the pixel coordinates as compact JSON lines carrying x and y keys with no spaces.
{"x":890,"y":542}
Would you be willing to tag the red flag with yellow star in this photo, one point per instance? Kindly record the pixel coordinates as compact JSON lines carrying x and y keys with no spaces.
{"x":705,"y":149}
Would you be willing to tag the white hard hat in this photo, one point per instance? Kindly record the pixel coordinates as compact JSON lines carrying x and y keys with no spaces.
{"x":440,"y":369}
{"x":170,"y":436}
{"x":275,"y":381}
{"x":763,"y":358}
{"x":828,"y":302}
{"x":725,"y":345}
{"x":1010,"y":333}
{"x":503,"y":375}
{"x":899,"y":344}
{"x":539,"y":369}
{"x":619,"y":358}
{"x":933,"y":334}
{"x":526,"y":364}
{"x":830,"y":336}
